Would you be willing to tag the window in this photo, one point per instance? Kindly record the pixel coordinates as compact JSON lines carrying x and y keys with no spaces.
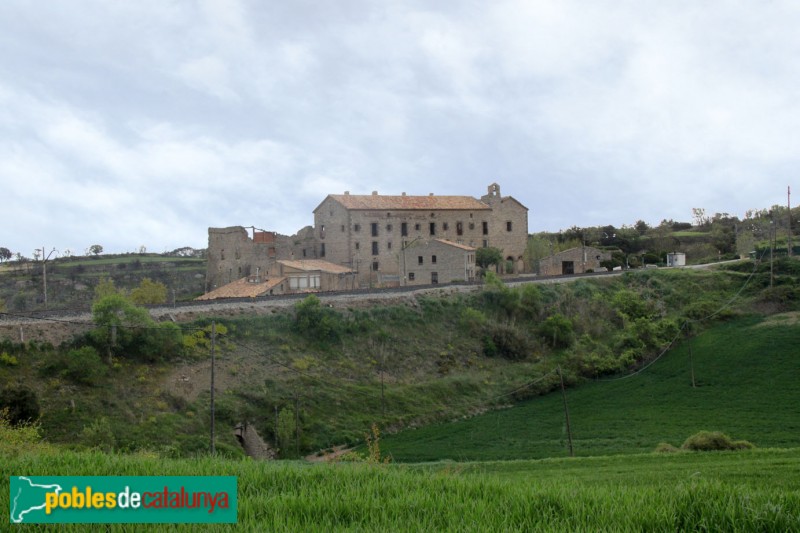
{"x":485,"y":243}
{"x":342,"y":228}
{"x":459,"y":228}
{"x":374,"y":247}
{"x":485,"y":228}
{"x":389,"y":245}
{"x":433,"y":259}
{"x":374,"y":229}
{"x":388,"y":227}
{"x":416,"y":227}
{"x":434,"y":277}
{"x":419,"y":260}
{"x":304,"y":252}
{"x":222,"y":254}
{"x":410,"y":276}
{"x":471,"y":225}
{"x":404,"y":229}
{"x":357,"y":227}
{"x":358,"y":245}
{"x":433,"y":228}
{"x":445,"y":226}
{"x":322,"y":250}
{"x":375,"y":266}
{"x":508,"y":226}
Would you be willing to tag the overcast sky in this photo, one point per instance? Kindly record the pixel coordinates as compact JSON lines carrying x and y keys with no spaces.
{"x":131,"y":124}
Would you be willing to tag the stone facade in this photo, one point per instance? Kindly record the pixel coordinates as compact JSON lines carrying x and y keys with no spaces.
{"x":368,"y":233}
{"x":573,"y":261}
{"x":437,"y":261}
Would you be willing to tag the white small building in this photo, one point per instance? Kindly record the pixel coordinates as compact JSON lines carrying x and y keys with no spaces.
{"x":676,"y":259}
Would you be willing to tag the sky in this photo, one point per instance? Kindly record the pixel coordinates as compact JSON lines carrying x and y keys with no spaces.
{"x":142,"y":124}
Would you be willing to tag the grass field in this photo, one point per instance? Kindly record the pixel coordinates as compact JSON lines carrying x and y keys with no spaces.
{"x":742,"y":491}
{"x":745,"y":375}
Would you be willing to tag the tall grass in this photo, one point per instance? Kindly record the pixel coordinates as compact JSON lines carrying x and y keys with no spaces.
{"x":647,"y":493}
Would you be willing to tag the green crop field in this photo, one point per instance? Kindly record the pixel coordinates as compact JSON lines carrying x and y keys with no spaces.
{"x":746,"y":386}
{"x":716,"y":491}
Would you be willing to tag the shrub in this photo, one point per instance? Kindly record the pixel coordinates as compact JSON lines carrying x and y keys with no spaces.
{"x":99,"y":435}
{"x":558,"y":330}
{"x":8,"y":360}
{"x":21,"y":405}
{"x":704,"y":441}
{"x":666,"y":447}
{"x":505,"y":341}
{"x":20,"y":436}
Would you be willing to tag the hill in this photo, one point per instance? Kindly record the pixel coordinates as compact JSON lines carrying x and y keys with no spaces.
{"x":744,"y":373}
{"x":317,"y":376}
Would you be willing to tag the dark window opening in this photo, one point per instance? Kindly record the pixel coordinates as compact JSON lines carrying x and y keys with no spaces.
{"x":485,"y":243}
{"x":445,"y":226}
{"x":433,"y":228}
{"x":471,"y":225}
{"x":389,"y":245}
{"x":459,"y":228}
{"x":374,"y":247}
{"x":342,"y":228}
{"x":433,"y":259}
{"x":485,"y":228}
{"x":375,"y":266}
{"x":410,"y":276}
{"x":357,"y":227}
{"x":508,"y":226}
{"x":358,"y":245}
{"x":388,"y":227}
{"x":322,"y":249}
{"x":434,"y":277}
{"x":404,"y":229}
{"x":419,"y":260}
{"x":304,"y":252}
{"x":374,"y":227}
{"x":416,"y":227}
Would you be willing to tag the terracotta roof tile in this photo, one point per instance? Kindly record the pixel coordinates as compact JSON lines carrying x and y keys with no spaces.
{"x":309,"y":265}
{"x":425,"y":203}
{"x":456,"y":245}
{"x":242,"y":288}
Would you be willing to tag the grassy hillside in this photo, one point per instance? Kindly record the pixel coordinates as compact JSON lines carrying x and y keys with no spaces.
{"x":748,"y":491}
{"x":71,"y":281}
{"x":336,"y":371}
{"x":745,"y":375}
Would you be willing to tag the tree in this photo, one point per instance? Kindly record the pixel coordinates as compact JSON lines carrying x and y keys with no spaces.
{"x":5,"y":254}
{"x":149,"y":292}
{"x":484,"y":257}
{"x":96,"y":249}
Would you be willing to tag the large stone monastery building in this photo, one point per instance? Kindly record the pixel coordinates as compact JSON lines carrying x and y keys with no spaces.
{"x":385,"y":240}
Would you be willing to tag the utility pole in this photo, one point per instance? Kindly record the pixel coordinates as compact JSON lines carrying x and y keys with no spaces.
{"x":44,"y":272}
{"x":789,"y":210}
{"x":691,"y":360}
{"x":771,"y":247}
{"x":213,"y":349}
{"x":297,"y":424}
{"x":566,"y":412}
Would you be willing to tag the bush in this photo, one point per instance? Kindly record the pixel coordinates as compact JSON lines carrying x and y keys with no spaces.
{"x":558,"y":330}
{"x":83,"y":365}
{"x":705,"y":441}
{"x":505,"y":341}
{"x":21,"y":405}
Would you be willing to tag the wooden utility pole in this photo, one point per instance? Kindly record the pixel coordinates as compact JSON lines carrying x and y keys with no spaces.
{"x":789,"y":231}
{"x":566,"y":412}
{"x":691,"y":360}
{"x":213,"y":349}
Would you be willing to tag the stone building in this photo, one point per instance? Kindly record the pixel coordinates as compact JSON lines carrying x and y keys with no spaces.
{"x":436,"y":261}
{"x":577,"y":260}
{"x":369,"y":233}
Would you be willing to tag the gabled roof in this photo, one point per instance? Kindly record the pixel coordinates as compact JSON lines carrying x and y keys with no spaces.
{"x":456,"y":245}
{"x":311,"y":265}
{"x":423,"y":203}
{"x":242,"y":288}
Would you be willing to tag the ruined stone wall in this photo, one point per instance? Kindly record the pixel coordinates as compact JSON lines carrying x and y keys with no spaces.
{"x":234,"y":254}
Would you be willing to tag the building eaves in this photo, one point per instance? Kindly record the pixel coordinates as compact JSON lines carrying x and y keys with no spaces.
{"x":242,"y":288}
{"x":361,"y":202}
{"x":311,"y":265}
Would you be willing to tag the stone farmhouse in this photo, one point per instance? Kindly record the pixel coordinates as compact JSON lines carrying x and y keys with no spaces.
{"x":385,"y":240}
{"x":577,"y":260}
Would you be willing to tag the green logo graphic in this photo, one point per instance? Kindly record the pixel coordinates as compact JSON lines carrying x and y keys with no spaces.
{"x":122,"y":499}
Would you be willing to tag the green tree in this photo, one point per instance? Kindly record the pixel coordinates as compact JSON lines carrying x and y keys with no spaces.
{"x":105,"y":287}
{"x":96,"y":249}
{"x":5,"y":254}
{"x":149,"y":292}
{"x":485,"y":257}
